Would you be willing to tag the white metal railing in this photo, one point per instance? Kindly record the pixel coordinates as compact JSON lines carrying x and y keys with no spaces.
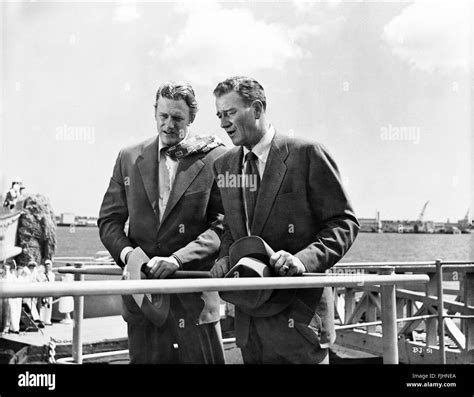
{"x":127,"y":287}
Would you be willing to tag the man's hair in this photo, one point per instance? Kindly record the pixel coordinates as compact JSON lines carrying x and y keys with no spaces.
{"x":176,"y":91}
{"x":248,"y":88}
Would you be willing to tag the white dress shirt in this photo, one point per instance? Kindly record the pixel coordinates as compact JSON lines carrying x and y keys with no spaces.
{"x":261,"y":150}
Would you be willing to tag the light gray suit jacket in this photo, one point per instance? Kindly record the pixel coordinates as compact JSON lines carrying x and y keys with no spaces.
{"x":190,"y":227}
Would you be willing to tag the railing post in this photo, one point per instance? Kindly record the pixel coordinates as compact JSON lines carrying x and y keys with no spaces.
{"x":349,"y":304}
{"x":77,"y":323}
{"x":469,"y":301}
{"x":389,"y":321}
{"x":439,"y":274}
{"x":431,"y":331}
{"x":371,"y":312}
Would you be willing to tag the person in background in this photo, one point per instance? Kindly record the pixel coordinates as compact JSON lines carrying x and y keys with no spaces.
{"x":14,"y":304}
{"x":46,"y":307}
{"x":66,"y":303}
{"x":32,"y":303}
{"x":23,"y":193}
{"x":4,"y":269}
{"x":12,"y":195}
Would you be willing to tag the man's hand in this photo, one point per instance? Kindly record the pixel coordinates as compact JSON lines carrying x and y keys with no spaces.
{"x":221,"y":267}
{"x":162,"y":267}
{"x":286,"y":265}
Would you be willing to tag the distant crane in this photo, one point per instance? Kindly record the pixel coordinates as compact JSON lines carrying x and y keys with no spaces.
{"x":422,"y":213}
{"x":419,"y":222}
{"x":465,"y":224}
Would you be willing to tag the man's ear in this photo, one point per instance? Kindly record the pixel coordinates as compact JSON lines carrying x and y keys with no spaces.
{"x":257,"y":107}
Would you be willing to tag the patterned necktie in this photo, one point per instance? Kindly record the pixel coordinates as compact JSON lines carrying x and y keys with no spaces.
{"x":251,"y":185}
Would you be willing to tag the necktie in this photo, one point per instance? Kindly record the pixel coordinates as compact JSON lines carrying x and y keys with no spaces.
{"x":251,"y":185}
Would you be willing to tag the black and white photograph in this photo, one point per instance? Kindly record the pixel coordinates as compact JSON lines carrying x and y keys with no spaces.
{"x":253,"y":189}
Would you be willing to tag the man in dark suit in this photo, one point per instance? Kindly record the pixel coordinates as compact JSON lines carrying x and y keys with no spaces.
{"x":291,"y":195}
{"x":165,"y":187}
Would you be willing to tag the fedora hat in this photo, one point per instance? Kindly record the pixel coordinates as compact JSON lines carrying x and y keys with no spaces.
{"x":250,"y":257}
{"x":154,"y":306}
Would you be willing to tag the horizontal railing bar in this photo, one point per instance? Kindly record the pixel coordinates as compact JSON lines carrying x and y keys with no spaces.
{"x":127,"y":287}
{"x":398,"y":320}
{"x":73,"y":258}
{"x":106,"y":270}
{"x":403,"y":263}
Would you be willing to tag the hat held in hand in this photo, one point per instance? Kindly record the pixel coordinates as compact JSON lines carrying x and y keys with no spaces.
{"x":250,"y":257}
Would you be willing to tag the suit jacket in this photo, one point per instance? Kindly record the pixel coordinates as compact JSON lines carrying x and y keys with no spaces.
{"x":191,"y":225}
{"x":301,"y":208}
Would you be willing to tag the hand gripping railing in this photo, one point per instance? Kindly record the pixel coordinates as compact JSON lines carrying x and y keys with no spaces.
{"x":168,"y":286}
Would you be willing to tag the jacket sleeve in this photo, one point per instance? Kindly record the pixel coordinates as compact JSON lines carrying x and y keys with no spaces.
{"x":113,"y":215}
{"x":331,"y":205}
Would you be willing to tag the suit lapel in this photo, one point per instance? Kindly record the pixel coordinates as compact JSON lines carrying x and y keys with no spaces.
{"x":147,"y":164}
{"x":234,"y":216}
{"x":274,"y":173}
{"x":188,"y":169}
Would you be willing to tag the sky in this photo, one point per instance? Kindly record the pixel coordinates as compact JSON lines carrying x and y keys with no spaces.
{"x":386,"y":87}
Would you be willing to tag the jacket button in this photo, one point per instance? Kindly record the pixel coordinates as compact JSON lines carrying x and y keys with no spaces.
{"x":158,"y":245}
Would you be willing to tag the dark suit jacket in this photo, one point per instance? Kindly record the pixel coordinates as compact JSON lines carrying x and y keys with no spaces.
{"x":190,"y":227}
{"x":301,"y":208}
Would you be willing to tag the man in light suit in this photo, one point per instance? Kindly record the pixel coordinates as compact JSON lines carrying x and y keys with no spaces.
{"x":165,"y":187}
{"x":299,"y":208}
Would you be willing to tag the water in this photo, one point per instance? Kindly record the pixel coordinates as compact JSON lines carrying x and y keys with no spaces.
{"x":368,"y":247}
{"x":373,"y":247}
{"x":79,"y":241}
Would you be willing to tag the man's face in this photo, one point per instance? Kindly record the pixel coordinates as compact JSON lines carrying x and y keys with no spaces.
{"x":172,"y":120}
{"x":237,"y":119}
{"x":48,"y":267}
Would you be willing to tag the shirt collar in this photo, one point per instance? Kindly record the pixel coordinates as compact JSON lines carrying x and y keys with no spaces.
{"x":162,"y":146}
{"x":262,"y":148}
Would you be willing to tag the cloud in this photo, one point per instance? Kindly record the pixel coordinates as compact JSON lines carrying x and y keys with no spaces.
{"x":216,"y":42}
{"x":431,"y":36}
{"x":126,"y":12}
{"x":304,"y":6}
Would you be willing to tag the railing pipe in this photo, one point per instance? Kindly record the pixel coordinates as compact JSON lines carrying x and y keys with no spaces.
{"x":442,"y":350}
{"x":128,"y":287}
{"x":77,"y":321}
{"x":389,"y":321}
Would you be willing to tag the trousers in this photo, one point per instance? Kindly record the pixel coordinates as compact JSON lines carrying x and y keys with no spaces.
{"x":178,"y":341}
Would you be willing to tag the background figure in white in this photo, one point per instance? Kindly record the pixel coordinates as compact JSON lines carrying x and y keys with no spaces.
{"x":32,"y":302}
{"x":14,"y":304}
{"x":66,"y":303}
{"x":46,"y":308}
{"x":5,"y":303}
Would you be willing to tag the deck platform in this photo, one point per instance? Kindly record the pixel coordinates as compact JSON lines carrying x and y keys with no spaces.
{"x":98,"y":334}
